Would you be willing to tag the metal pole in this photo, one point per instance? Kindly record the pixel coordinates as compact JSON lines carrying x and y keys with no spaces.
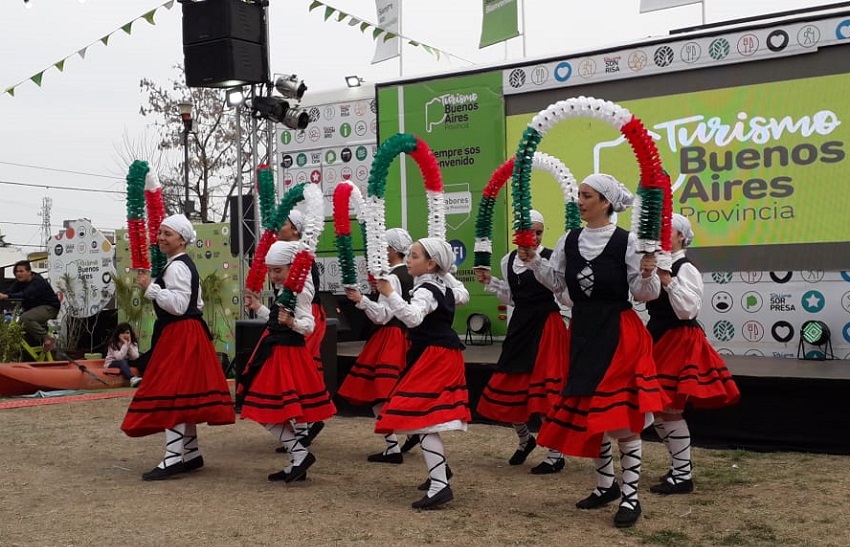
{"x":186,"y":168}
{"x":239,"y":213}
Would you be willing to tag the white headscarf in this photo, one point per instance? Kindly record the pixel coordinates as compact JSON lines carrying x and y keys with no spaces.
{"x":536,"y":217}
{"x":181,"y":225}
{"x":399,"y":239}
{"x":439,"y":250}
{"x":611,"y":189}
{"x":282,"y":253}
{"x":296,"y":217}
{"x":683,"y":225}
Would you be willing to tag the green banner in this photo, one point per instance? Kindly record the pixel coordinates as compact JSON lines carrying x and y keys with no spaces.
{"x":751,"y":165}
{"x":499,"y":23}
{"x":219,"y":273}
{"x":462,"y":120}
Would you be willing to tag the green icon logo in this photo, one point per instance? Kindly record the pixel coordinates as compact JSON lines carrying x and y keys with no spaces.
{"x":286,"y":137}
{"x":301,"y":160}
{"x":330,"y":156}
{"x":345,"y":130}
{"x":361,"y":153}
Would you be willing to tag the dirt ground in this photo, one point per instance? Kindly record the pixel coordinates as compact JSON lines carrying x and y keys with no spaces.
{"x":69,"y":477}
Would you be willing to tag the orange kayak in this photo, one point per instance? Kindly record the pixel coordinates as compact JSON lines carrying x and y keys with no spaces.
{"x":25,"y":378}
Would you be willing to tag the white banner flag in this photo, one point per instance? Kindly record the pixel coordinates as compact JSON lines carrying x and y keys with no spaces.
{"x":388,"y":16}
{"x":655,"y":5}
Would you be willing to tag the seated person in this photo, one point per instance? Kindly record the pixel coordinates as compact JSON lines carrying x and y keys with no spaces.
{"x":39,"y":302}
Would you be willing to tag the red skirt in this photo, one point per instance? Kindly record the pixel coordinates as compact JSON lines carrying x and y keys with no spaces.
{"x":183,"y":383}
{"x":690,"y":370}
{"x":629,"y":389}
{"x":288,"y":387}
{"x":513,"y":398}
{"x":314,"y":339}
{"x":377,"y":369}
{"x":432,"y":392}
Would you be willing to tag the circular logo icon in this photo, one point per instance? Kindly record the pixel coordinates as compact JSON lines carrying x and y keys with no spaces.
{"x":587,"y":68}
{"x":813,"y":301}
{"x":345,"y":130}
{"x":330,"y":175}
{"x":460,"y":251}
{"x":663,"y":56}
{"x":782,"y":331}
{"x":781,"y":277}
{"x":287,"y":161}
{"x":285,"y":137}
{"x":69,"y":233}
{"x":360,"y":153}
{"x":373,"y":106}
{"x":301,"y":159}
{"x":691,"y":52}
{"x":563,"y":71}
{"x":808,"y":36}
{"x":314,"y":133}
{"x":346,"y":173}
{"x":723,"y":330}
{"x":301,"y":177}
{"x":330,"y":112}
{"x":718,"y":49}
{"x":315,"y":176}
{"x":330,"y":156}
{"x":752,"y":331}
{"x":345,"y":155}
{"x":752,"y":301}
{"x":361,"y":173}
{"x":721,"y":302}
{"x":754,"y":353}
{"x":638,"y":60}
{"x":721,"y":278}
{"x":777,"y":40}
{"x":58,"y":250}
{"x":539,"y":75}
{"x":748,"y":45}
{"x":750,"y":278}
{"x":360,"y":128}
{"x":725,"y":352}
{"x":516,"y":78}
{"x":812,"y":276}
{"x":842,"y":30}
{"x":314,"y":114}
{"x":845,"y":301}
{"x":300,"y":136}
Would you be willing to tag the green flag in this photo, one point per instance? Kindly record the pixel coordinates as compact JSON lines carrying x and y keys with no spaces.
{"x":499,"y":23}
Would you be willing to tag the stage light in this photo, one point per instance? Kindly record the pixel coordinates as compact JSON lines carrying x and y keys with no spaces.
{"x":815,"y":333}
{"x":296,"y":118}
{"x":290,"y":87}
{"x":235,"y":96}
{"x":478,"y":324}
{"x":353,"y":81}
{"x":278,"y":110}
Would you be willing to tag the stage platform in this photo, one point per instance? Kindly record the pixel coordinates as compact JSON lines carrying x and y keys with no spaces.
{"x":780,"y":399}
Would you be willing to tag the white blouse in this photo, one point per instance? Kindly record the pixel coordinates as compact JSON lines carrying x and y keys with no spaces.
{"x":175,"y":298}
{"x":423,"y":302}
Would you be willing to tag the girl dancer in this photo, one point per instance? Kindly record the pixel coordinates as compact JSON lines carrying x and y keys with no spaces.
{"x":689,"y":369}
{"x":530,"y":371}
{"x":184,"y":384}
{"x":431,"y":397}
{"x":281,"y":385}
{"x":611,"y":389}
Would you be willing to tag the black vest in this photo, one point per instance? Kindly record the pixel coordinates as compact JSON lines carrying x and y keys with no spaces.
{"x":662,"y":317}
{"x":526,"y":291}
{"x":314,"y":275}
{"x":436,"y":328}
{"x":406,"y":282}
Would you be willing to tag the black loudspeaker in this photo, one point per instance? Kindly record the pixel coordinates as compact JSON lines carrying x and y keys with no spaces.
{"x":224,"y":43}
{"x":248,"y":221}
{"x":248,"y":332}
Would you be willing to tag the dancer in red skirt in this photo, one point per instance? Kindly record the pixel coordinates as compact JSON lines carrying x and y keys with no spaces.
{"x":379,"y":366}
{"x":530,"y":372}
{"x":431,"y":397}
{"x":291,"y":231}
{"x":611,"y":388}
{"x":689,"y":369}
{"x":184,"y":384}
{"x":280,"y":384}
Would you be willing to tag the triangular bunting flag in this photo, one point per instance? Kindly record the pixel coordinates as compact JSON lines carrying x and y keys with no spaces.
{"x":128,"y":28}
{"x":11,"y":91}
{"x":149,"y":16}
{"x":377,"y":32}
{"x":328,"y":12}
{"x":82,"y":52}
{"x":169,"y":4}
{"x":60,"y":65}
{"x":414,"y":44}
{"x":105,"y":40}
{"x":389,"y":36}
{"x":341,"y":17}
{"x":37,"y":78}
{"x":353,"y":22}
{"x":363,"y":26}
{"x":314,"y":5}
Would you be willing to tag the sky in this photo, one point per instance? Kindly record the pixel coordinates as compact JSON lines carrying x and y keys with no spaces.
{"x":69,"y":132}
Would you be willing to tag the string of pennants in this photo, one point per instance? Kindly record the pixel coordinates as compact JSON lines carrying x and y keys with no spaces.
{"x":377,"y":30}
{"x":60,"y":65}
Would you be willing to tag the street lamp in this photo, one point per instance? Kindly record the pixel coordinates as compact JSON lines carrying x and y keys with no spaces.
{"x":185,"y":108}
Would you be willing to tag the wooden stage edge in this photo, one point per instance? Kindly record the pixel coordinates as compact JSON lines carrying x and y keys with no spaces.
{"x":739,"y":365}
